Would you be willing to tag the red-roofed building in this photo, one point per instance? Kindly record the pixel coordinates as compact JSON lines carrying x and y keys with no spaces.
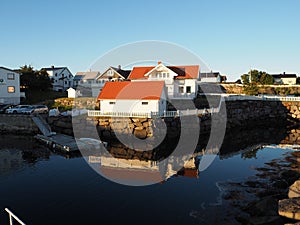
{"x":137,"y":97}
{"x":180,"y":81}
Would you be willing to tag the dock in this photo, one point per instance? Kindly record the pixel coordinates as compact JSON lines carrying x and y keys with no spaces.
{"x":60,"y":142}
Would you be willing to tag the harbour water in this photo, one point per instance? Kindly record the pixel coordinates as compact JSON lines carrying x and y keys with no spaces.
{"x":43,"y":187}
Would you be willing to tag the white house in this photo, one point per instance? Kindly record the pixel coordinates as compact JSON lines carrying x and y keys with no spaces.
{"x":211,"y":77}
{"x":138,"y":97}
{"x":92,"y":82}
{"x":61,"y":78}
{"x":180,"y":81}
{"x":9,"y":86}
{"x":290,"y":79}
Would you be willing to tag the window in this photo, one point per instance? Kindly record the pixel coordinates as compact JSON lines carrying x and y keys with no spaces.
{"x":66,"y":82}
{"x":164,"y":75}
{"x":56,"y":74}
{"x":181,"y":89}
{"x":11,"y":89}
{"x":112,"y":103}
{"x":10,"y":76}
{"x":144,"y":103}
{"x":153,"y":75}
{"x":188,"y":89}
{"x":168,"y":75}
{"x":110,"y":73}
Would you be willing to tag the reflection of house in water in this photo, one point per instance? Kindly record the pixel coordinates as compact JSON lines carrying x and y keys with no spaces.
{"x":10,"y":161}
{"x":135,"y":170}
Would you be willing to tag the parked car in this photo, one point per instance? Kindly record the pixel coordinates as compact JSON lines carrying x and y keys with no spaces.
{"x":41,"y":109}
{"x":3,"y":107}
{"x":17,"y":109}
{"x":30,"y":109}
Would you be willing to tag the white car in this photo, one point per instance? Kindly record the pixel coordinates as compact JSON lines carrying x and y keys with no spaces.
{"x":40,"y":109}
{"x":17,"y":109}
{"x":28,"y":110}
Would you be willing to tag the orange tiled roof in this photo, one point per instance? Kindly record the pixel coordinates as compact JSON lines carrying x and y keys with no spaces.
{"x":150,"y":90}
{"x":184,"y":72}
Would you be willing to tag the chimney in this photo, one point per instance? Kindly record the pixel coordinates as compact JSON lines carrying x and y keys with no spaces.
{"x":119,"y":67}
{"x":52,"y":67}
{"x":159,"y":62}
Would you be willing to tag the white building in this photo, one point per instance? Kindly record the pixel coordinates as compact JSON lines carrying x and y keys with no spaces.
{"x":92,"y":82}
{"x":61,"y":78}
{"x":290,"y":79}
{"x":210,"y":77}
{"x":180,"y":81}
{"x":137,"y":97}
{"x":9,"y":86}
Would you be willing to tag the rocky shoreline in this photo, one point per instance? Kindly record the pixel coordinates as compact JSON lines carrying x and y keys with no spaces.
{"x":268,"y":198}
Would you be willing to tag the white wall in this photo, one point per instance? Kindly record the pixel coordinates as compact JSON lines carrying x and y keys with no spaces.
{"x":129,"y":106}
{"x":5,"y":96}
{"x":60,"y":84}
{"x":134,"y":105}
{"x":288,"y":81}
{"x":192,"y":83}
{"x":211,"y":79}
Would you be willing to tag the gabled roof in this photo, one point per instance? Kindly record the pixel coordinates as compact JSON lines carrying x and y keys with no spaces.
{"x":148,"y":90}
{"x":284,"y":75}
{"x":53,"y":68}
{"x":89,"y":75}
{"x":183,"y":72}
{"x":4,"y":68}
{"x":123,"y":73}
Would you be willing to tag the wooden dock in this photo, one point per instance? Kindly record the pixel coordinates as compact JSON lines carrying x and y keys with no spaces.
{"x":59,"y":142}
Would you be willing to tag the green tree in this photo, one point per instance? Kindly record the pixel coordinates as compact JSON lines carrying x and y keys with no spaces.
{"x":32,"y":80}
{"x":254,"y":76}
{"x":266,"y":78}
{"x":245,"y":79}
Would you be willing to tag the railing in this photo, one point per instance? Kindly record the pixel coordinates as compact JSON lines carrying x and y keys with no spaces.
{"x":188,"y":112}
{"x":261,"y":98}
{"x":13,"y":216}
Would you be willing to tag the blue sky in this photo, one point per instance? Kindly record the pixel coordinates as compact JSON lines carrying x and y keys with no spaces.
{"x":229,"y":36}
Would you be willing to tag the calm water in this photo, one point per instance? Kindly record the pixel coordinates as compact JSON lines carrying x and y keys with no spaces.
{"x":44,"y":188}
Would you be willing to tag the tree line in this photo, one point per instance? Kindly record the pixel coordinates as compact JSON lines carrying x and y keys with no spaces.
{"x":257,"y":77}
{"x":34,"y":80}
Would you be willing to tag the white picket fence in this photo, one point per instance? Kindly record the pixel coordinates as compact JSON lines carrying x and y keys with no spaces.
{"x":188,"y":112}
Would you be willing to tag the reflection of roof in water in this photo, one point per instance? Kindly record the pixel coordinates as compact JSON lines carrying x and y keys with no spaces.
{"x":132,"y":175}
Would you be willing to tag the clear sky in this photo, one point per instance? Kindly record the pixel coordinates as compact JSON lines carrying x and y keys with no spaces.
{"x":229,"y":36}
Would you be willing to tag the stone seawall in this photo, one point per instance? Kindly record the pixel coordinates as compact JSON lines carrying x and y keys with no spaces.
{"x":17,"y":124}
{"x":239,"y":114}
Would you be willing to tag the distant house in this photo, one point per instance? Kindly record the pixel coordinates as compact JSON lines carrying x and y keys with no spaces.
{"x":61,"y":78}
{"x":112,"y":74}
{"x":284,"y":78}
{"x":85,"y":77}
{"x":180,"y":81}
{"x":139,"y":97}
{"x":9,"y":86}
{"x":92,"y":82}
{"x":211,"y":77}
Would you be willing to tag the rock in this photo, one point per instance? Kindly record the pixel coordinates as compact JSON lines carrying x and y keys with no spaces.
{"x":294,"y":190}
{"x":289,"y":208}
{"x":142,"y":134}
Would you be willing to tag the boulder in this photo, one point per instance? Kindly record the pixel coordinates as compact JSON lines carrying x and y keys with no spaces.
{"x":289,"y":208}
{"x":294,"y":190}
{"x":142,"y":134}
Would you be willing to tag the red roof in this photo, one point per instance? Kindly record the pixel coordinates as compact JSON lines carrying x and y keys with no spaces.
{"x":184,"y":72}
{"x":150,"y":90}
